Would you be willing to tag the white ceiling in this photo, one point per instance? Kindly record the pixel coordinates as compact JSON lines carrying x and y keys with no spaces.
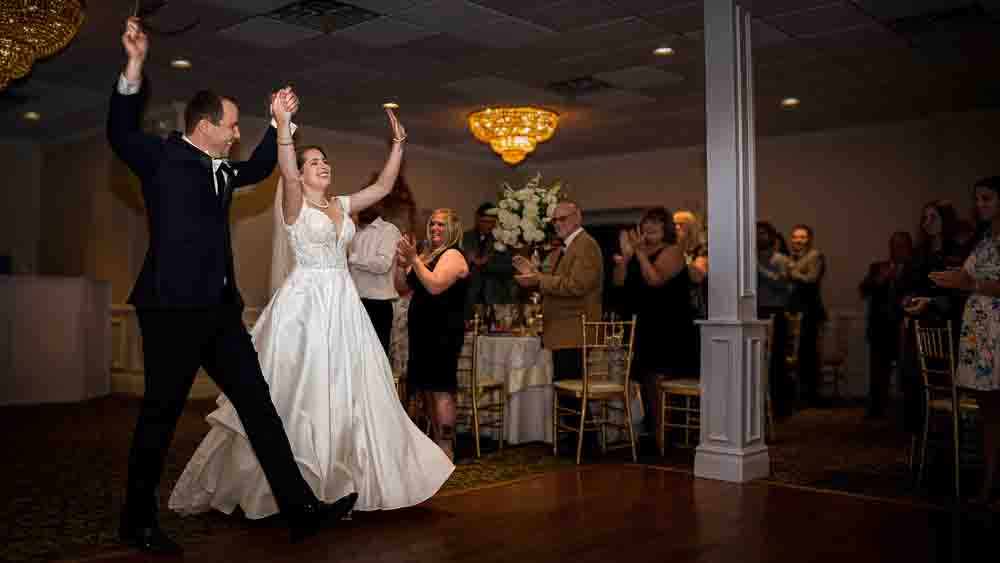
{"x":850,"y":62}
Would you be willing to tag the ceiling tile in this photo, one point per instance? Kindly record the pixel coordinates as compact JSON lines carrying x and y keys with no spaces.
{"x":639,"y":77}
{"x":384,"y":32}
{"x":616,"y":98}
{"x":896,"y":9}
{"x":679,"y":19}
{"x":762,"y":33}
{"x":819,"y":20}
{"x":449,"y":15}
{"x":266,"y":32}
{"x":505,"y":32}
{"x":387,"y":7}
{"x":492,"y":89}
{"x":765,"y":8}
{"x":250,"y":6}
{"x":575,"y":14}
{"x":646,"y":7}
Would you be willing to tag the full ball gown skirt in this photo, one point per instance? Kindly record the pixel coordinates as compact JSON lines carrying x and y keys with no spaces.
{"x":333,"y":388}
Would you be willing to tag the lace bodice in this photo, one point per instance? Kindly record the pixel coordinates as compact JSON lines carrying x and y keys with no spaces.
{"x":314,"y":238}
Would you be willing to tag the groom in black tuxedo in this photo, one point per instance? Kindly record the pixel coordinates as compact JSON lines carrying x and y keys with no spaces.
{"x":189,"y":309}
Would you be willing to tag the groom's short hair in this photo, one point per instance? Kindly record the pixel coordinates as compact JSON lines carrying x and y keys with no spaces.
{"x":205,"y":104}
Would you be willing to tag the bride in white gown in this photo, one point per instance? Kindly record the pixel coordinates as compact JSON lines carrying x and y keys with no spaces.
{"x":328,"y":374}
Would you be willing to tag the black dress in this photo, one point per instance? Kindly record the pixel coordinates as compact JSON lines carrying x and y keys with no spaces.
{"x":437,"y":332}
{"x":666,"y":336}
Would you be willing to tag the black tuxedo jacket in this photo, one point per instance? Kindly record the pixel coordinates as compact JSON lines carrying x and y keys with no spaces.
{"x":189,"y":262}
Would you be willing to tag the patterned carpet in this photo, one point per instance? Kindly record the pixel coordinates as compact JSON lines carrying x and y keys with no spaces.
{"x":65,"y":469}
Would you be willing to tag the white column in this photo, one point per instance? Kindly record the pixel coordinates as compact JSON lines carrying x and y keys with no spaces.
{"x":733,"y":342}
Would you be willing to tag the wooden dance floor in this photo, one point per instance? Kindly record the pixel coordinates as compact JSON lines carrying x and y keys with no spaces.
{"x":611,"y":513}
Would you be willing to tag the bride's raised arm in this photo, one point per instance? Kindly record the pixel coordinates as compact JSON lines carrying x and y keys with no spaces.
{"x":282,"y":107}
{"x":369,"y":196}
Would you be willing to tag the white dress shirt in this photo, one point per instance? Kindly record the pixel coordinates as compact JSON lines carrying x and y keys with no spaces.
{"x":373,"y":253}
{"x":570,"y":238}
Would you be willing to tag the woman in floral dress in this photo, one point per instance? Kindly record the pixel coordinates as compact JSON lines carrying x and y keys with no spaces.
{"x":979,"y":343}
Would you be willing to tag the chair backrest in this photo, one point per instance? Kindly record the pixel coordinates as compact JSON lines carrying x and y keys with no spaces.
{"x":607,"y":343}
{"x":935,"y":350}
{"x":794,"y":336}
{"x":467,"y":368}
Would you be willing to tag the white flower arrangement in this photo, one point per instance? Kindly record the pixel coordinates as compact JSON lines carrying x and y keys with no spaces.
{"x":524,"y":216}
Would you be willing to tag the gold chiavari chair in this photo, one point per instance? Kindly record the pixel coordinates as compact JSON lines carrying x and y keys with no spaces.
{"x":680,"y":412}
{"x":604,"y":343}
{"x":791,"y":348}
{"x":936,"y":352}
{"x":483,"y":395}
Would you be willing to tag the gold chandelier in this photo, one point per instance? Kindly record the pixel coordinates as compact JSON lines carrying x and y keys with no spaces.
{"x":513,"y":132}
{"x":34,"y":29}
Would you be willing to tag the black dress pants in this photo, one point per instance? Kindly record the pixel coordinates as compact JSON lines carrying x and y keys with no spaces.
{"x":380,"y":313}
{"x":175,"y":344}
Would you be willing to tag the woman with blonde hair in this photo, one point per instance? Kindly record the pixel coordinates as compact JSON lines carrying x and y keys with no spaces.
{"x":695,"y":250}
{"x":438,"y":277}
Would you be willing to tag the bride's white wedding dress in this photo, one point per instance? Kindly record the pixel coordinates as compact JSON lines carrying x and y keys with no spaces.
{"x":332,"y":386}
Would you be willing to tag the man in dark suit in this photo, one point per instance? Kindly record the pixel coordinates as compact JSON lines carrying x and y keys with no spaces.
{"x":885,"y":286}
{"x":186,"y":300}
{"x":491,"y":273}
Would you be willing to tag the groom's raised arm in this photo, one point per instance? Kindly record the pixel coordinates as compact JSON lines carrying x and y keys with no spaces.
{"x":140,"y":152}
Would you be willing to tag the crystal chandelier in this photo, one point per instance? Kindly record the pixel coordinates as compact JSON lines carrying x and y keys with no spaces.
{"x":513,"y":132}
{"x":34,"y":29}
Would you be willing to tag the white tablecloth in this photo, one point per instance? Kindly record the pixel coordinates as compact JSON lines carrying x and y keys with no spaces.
{"x":526,"y":369}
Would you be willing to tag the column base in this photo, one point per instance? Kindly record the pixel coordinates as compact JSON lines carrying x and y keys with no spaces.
{"x":733,"y":375}
{"x":737,"y":466}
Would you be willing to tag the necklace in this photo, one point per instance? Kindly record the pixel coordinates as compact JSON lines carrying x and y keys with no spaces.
{"x":324,"y":204}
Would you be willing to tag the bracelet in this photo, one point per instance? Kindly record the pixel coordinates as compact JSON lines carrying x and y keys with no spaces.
{"x":399,"y":139}
{"x":286,"y":143}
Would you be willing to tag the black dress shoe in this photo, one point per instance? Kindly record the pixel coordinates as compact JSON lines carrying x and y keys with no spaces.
{"x":149,"y":540}
{"x":311,"y":518}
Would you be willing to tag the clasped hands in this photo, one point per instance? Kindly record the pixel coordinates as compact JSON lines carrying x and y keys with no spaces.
{"x":527,"y":275}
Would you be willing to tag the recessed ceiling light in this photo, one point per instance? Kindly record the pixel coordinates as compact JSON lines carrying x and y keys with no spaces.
{"x":32,"y":115}
{"x":183,"y":64}
{"x":663,"y":51}
{"x":790,"y":103}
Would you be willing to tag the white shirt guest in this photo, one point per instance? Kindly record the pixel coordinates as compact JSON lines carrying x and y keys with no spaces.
{"x":371,"y":261}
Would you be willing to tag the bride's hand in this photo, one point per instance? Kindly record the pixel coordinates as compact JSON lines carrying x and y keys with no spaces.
{"x":398,"y":131}
{"x":281,"y":102}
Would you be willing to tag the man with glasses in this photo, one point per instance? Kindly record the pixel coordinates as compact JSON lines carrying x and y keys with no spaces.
{"x":572,"y":288}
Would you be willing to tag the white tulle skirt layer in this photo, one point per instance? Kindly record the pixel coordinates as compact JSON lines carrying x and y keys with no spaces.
{"x":332,"y":386}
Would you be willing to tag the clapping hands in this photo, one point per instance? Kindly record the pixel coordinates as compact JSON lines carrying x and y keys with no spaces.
{"x":630,"y":242}
{"x":406,"y":252}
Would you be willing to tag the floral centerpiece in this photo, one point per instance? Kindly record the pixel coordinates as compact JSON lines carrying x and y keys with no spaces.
{"x":524,"y":216}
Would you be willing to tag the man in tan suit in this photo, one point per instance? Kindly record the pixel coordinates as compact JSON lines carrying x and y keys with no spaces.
{"x":572,"y":289}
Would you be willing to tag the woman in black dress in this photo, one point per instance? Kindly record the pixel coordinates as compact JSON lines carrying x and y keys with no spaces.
{"x":651,"y":270}
{"x":438,"y":277}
